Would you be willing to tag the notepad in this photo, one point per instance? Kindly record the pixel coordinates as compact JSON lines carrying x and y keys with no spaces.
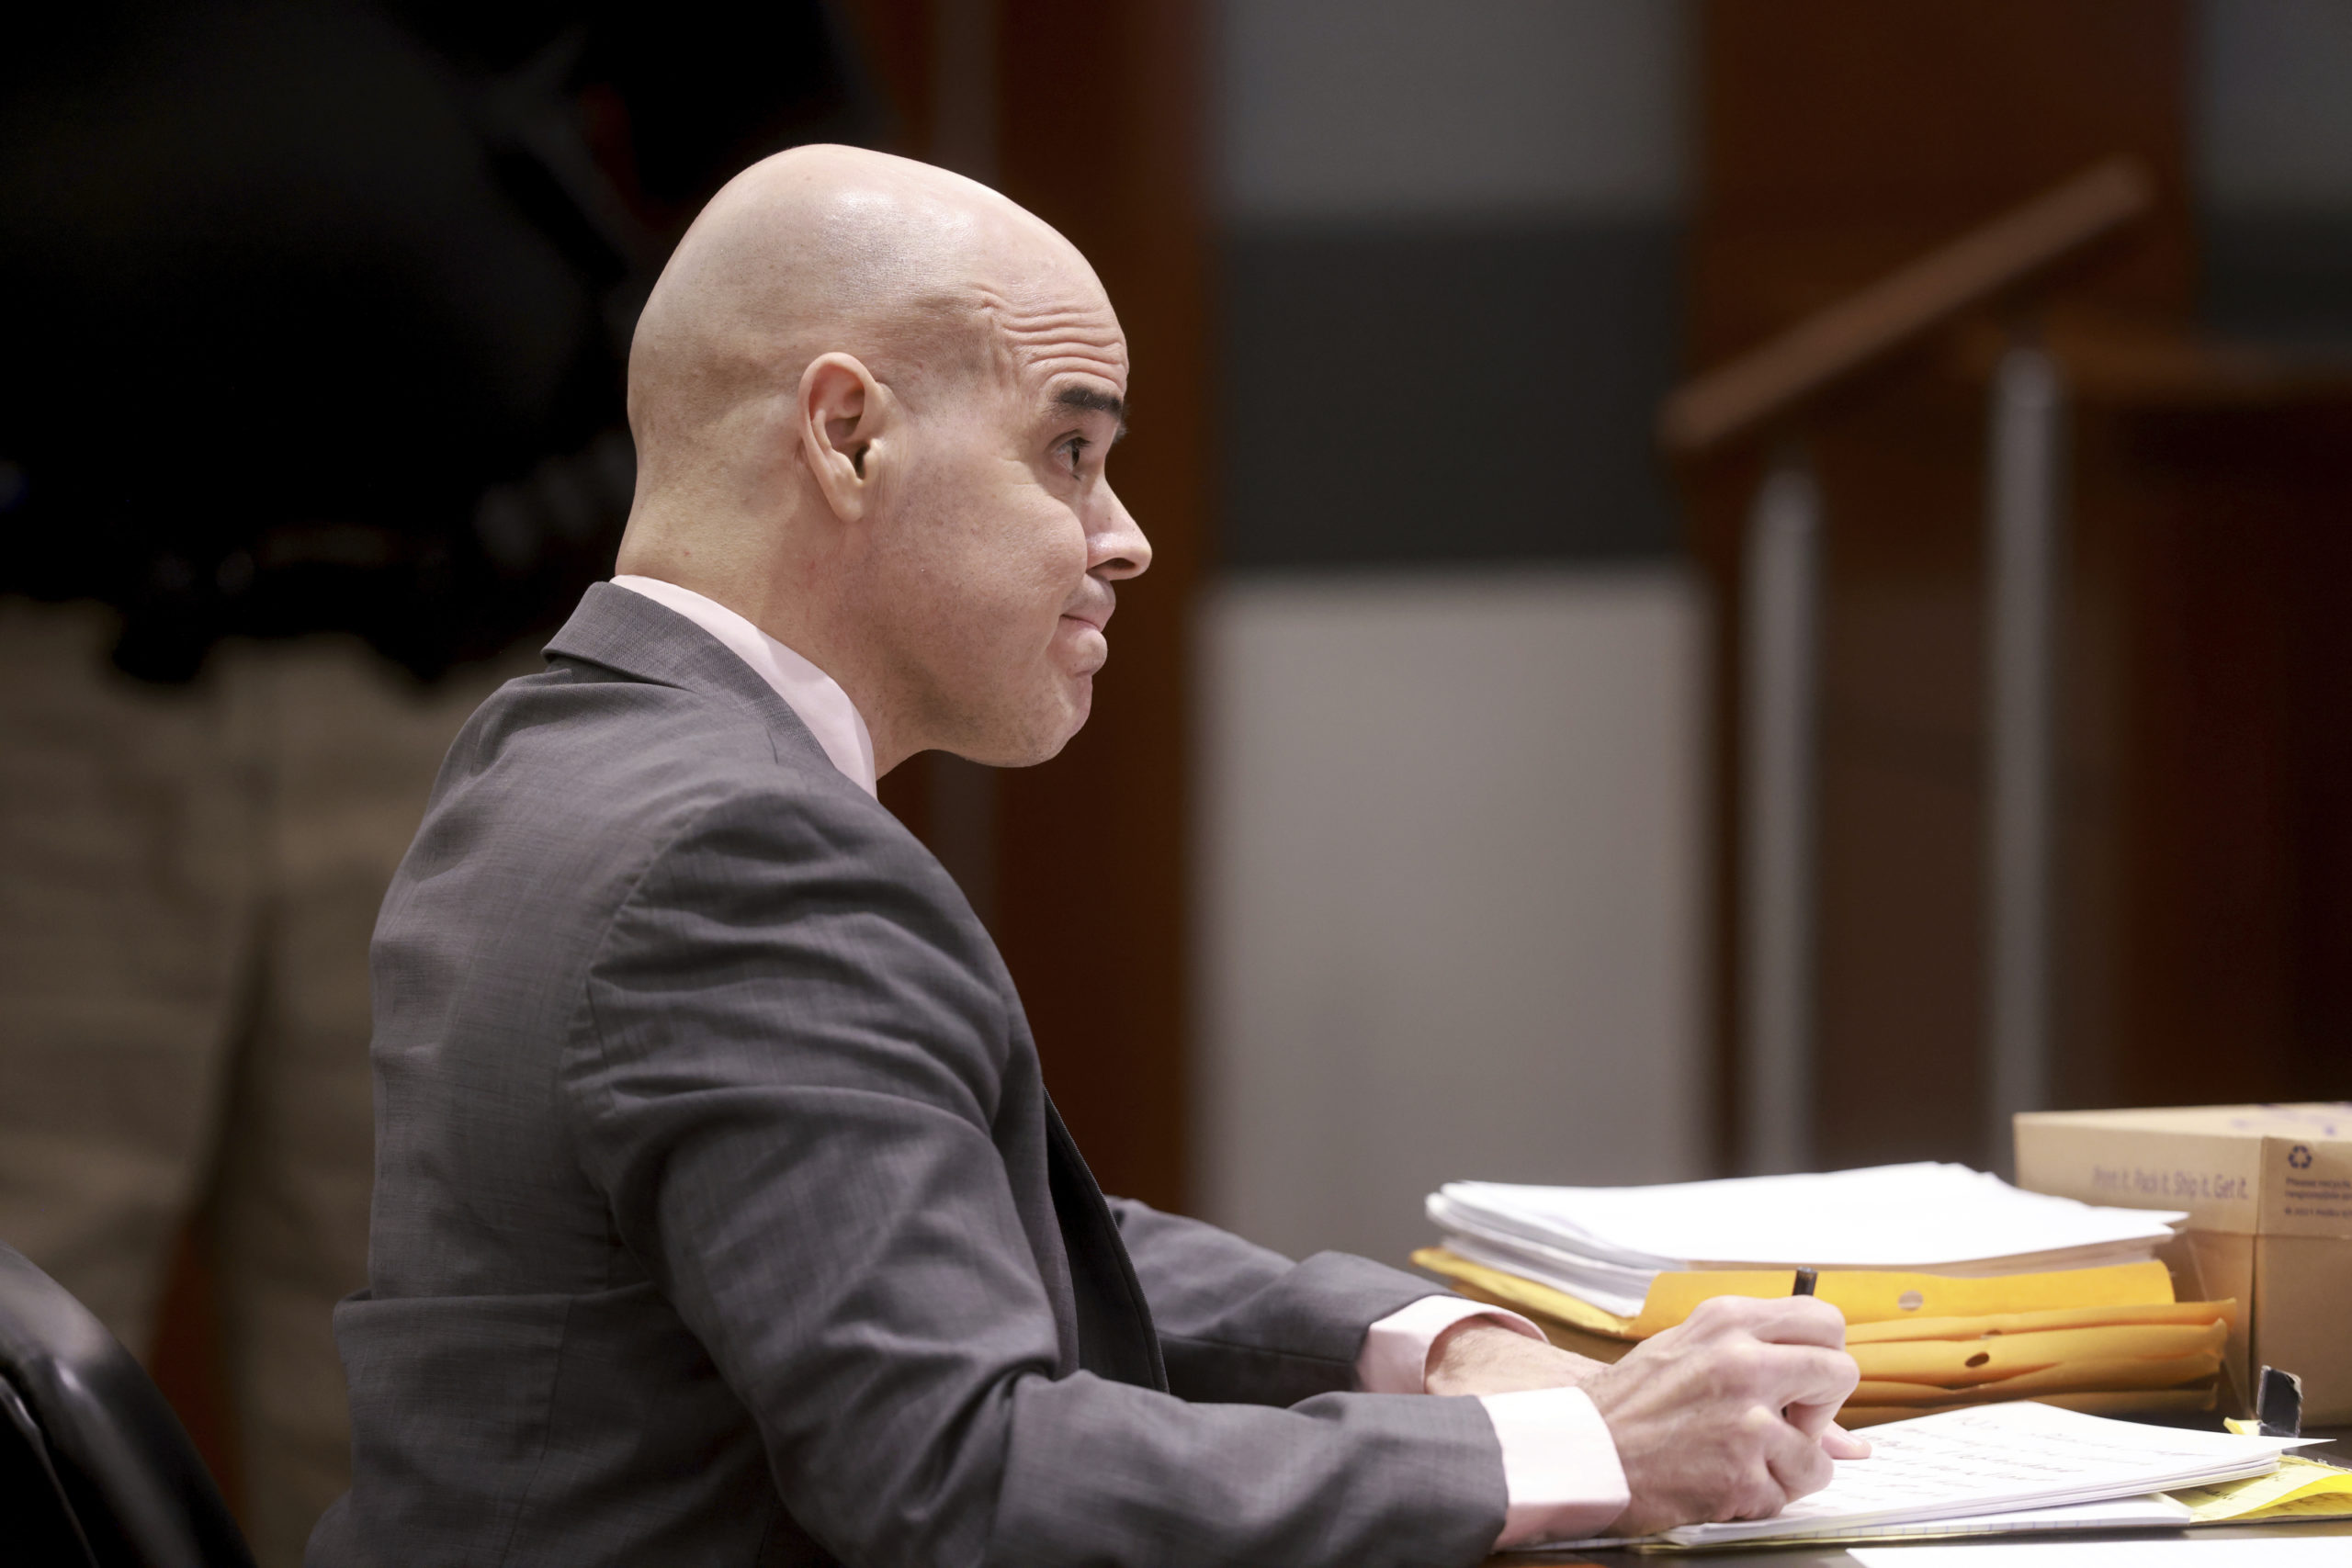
{"x":2156,"y":1511}
{"x":2291,"y":1552}
{"x":1998,"y":1459}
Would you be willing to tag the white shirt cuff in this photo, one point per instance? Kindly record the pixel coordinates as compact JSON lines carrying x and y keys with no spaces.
{"x":1561,"y":1474}
{"x":1396,"y":1354}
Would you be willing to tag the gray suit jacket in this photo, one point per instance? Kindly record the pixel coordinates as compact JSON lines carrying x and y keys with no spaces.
{"x":721,"y":1216}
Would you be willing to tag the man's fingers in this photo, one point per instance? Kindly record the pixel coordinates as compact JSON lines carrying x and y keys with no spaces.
{"x":1797,"y":1462}
{"x":1814,"y":1420}
{"x":1838,"y":1443}
{"x":1759,"y":1382}
{"x":1779,"y":1320}
{"x":1759,"y":1499}
{"x":1804,"y":1375}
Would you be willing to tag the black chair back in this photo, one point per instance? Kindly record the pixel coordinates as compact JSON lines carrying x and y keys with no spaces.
{"x":105,"y":1474}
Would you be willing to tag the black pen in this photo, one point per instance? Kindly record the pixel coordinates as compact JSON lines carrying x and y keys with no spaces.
{"x":1804,"y":1287}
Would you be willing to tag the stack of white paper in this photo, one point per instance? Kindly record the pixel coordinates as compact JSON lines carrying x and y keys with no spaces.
{"x":2004,"y":1467}
{"x":1606,"y":1243}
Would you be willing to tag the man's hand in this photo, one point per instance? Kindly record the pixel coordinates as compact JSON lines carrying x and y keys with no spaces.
{"x":1728,"y":1415}
{"x":1481,"y":1356}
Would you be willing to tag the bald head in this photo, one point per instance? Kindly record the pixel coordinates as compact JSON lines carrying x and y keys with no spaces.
{"x":831,"y":387}
{"x":828,"y":249}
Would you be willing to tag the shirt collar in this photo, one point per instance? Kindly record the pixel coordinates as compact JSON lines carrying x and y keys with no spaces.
{"x":813,"y":696}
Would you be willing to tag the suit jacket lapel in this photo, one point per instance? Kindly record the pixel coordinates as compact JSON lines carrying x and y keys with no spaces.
{"x":1116,"y":1337}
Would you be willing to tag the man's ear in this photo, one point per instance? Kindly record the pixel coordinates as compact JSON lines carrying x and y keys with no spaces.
{"x":845,"y":415}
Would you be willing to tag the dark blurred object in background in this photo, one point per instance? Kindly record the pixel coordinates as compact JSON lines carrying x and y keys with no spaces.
{"x":316,"y":313}
{"x":316,"y":319}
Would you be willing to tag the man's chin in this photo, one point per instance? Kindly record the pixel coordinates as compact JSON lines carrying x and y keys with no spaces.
{"x":1043,"y":735}
{"x":1076,"y":707}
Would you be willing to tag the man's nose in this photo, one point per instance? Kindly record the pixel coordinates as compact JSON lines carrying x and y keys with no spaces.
{"x":1118,"y":549}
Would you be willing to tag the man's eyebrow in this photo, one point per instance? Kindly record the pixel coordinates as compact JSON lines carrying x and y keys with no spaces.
{"x":1092,"y":402}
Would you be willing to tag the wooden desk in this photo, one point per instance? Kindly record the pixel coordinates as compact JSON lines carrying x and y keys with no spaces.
{"x":2339,"y":1449}
{"x":1826,"y":1557}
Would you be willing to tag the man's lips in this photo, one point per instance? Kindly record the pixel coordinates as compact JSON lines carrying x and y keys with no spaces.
{"x":1084,"y":627}
{"x":1097,"y":616}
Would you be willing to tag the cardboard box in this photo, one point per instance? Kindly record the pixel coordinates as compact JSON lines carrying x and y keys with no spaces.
{"x":2269,"y":1192}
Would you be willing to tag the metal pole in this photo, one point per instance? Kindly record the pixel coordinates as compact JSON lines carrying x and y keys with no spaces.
{"x":2024,"y":516}
{"x":1779,"y":779}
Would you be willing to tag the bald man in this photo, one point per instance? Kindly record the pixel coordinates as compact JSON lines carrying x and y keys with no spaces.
{"x":721,"y":1216}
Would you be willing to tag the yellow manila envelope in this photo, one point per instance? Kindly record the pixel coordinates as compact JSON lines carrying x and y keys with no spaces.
{"x":1956,"y":1363}
{"x":1540,"y":1302}
{"x":1864,"y":1296}
{"x":2033,"y":1322}
{"x":2105,"y":1376}
{"x":2135,"y":1360}
{"x":1870,"y":1296}
{"x":2117,"y":1345}
{"x":2299,"y":1489}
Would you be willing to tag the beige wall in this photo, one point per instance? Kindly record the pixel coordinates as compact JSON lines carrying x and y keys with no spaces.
{"x":1450,"y":915}
{"x":1355,"y":108}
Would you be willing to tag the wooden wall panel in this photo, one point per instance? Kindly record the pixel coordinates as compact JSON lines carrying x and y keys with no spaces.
{"x":1099,"y":132}
{"x":1841,"y":138}
{"x":2237,"y":901}
{"x":2204,"y":914}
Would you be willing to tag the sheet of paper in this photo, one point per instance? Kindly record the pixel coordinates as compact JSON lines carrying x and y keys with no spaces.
{"x":2289,"y":1551}
{"x":2155,"y":1512}
{"x":1611,"y":1287}
{"x":1856,"y":1219}
{"x":2001,"y":1457}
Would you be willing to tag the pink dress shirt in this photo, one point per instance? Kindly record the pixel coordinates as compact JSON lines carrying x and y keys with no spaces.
{"x":813,"y":696}
{"x":1561,"y":1474}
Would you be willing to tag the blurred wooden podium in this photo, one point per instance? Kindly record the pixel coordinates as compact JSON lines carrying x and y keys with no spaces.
{"x":2195,"y":879}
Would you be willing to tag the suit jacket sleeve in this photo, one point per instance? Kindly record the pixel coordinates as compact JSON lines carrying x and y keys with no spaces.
{"x":785,"y":1081}
{"x":1237,"y":1322}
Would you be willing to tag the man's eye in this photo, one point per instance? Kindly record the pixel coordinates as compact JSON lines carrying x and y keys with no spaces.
{"x":1074,"y":449}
